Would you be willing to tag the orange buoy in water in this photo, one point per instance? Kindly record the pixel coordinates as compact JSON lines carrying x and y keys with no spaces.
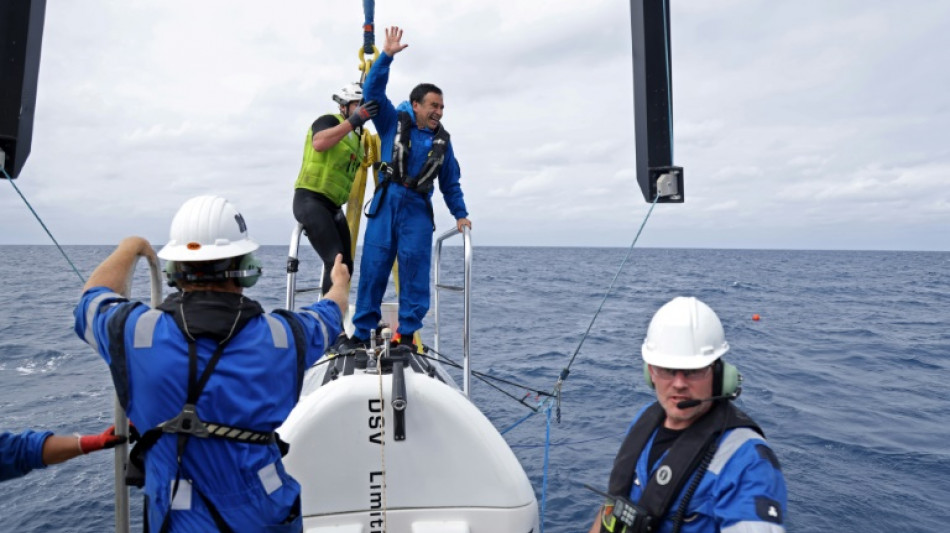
{"x":756,"y":317}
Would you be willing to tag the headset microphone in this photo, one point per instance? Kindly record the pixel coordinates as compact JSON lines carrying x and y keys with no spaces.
{"x":686,"y":404}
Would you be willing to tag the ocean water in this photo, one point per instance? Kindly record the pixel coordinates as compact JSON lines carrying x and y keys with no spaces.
{"x":846,"y":371}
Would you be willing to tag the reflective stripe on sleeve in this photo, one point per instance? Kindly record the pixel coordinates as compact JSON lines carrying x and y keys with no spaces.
{"x":323,"y":326}
{"x":91,"y":311}
{"x":145,"y":328}
{"x":729,"y":445}
{"x":277,"y":332}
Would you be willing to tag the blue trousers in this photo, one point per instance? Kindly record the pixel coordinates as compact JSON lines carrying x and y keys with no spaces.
{"x":401,"y":228}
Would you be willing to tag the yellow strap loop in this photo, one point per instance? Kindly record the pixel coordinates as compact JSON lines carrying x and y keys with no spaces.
{"x":364,"y":64}
{"x":371,"y":146}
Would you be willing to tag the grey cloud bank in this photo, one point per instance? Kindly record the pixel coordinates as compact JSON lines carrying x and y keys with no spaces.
{"x":809,"y":125}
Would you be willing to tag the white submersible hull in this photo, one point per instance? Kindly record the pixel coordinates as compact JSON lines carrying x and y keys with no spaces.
{"x":435,"y":464}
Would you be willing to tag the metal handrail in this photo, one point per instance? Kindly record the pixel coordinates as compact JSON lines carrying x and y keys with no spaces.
{"x":465,"y":289}
{"x":292,"y":264}
{"x":121,"y":421}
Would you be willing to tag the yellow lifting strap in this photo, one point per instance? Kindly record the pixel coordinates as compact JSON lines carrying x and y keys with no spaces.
{"x":354,"y":205}
{"x":371,"y":147}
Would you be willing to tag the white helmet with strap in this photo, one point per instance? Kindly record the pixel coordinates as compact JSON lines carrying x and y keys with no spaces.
{"x":352,"y":92}
{"x":207,"y":228}
{"x":685,"y":333}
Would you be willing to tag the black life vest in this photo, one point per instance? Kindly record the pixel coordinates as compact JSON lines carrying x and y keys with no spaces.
{"x":398,"y":169}
{"x":683,"y":458}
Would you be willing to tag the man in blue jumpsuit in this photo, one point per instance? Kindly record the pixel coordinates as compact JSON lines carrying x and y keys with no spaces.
{"x":208,"y":375}
{"x":23,"y":452}
{"x":692,"y":462}
{"x":416,"y":151}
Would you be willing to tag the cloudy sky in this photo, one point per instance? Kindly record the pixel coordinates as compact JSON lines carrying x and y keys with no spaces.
{"x":811,"y":124}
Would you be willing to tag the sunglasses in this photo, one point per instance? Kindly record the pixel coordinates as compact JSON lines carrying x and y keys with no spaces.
{"x":690,"y":374}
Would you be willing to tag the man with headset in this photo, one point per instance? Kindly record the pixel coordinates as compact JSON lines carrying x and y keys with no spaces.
{"x":208,"y":375}
{"x":692,"y":461}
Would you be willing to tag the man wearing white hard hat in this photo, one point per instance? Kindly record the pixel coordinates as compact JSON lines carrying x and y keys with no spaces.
{"x":692,"y":462}
{"x":207,"y":376}
{"x":332,"y":154}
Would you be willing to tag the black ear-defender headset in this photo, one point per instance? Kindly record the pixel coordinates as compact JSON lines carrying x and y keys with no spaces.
{"x":245,"y":270}
{"x":727,"y":381}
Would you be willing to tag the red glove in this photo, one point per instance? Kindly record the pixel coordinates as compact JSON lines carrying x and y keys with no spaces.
{"x":105,"y":440}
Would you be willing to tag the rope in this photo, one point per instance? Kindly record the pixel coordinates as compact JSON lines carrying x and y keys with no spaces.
{"x":382,"y":440}
{"x":567,"y":370}
{"x":518,"y":423}
{"x":544,"y":479}
{"x":485,"y":377}
{"x":17,"y":189}
{"x":567,"y":443}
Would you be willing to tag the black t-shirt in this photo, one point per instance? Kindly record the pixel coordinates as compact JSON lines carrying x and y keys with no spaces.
{"x":664,"y":440}
{"x":324,"y":123}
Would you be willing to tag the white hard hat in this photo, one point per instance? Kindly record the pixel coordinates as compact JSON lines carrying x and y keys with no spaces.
{"x":685,"y":333}
{"x":349,"y":93}
{"x":206,"y":228}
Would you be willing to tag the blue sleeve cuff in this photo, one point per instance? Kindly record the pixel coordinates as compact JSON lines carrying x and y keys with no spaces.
{"x":36,"y":451}
{"x":21,"y":453}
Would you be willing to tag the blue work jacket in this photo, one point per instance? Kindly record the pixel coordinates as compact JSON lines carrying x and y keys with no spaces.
{"x":743,"y":489}
{"x":253,"y":386}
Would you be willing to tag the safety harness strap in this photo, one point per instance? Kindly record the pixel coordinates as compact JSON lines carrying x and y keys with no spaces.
{"x":117,"y":356}
{"x":625,"y":463}
{"x":187,"y":423}
{"x":674,"y":471}
{"x":135,"y":473}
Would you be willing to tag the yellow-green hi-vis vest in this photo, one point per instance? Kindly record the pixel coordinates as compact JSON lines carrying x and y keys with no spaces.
{"x":331,"y":173}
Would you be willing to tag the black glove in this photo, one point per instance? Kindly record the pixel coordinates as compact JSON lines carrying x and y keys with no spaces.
{"x":363,"y":113}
